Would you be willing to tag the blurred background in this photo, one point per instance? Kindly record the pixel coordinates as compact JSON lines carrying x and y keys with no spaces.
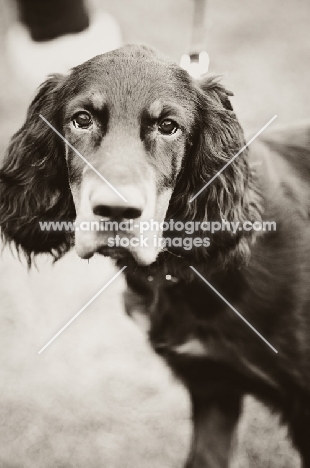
{"x":99,"y":396}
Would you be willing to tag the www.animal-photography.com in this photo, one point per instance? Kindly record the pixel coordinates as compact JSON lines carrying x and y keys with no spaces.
{"x":154,"y":234}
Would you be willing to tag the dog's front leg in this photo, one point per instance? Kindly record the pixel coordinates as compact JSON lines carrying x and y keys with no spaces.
{"x":214,"y":421}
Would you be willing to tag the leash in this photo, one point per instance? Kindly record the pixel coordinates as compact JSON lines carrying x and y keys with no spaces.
{"x":196,"y":62}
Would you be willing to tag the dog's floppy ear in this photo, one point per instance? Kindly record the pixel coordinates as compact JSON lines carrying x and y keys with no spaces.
{"x":232,"y":195}
{"x":34,"y":181}
{"x":214,"y":89}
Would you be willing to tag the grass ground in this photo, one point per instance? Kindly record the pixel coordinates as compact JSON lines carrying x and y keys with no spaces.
{"x":98,"y":396}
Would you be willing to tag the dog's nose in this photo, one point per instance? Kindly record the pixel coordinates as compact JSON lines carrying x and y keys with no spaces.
{"x":117,"y":212}
{"x":111,"y":206}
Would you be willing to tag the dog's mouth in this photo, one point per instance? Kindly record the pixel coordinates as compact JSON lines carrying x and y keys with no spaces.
{"x":139,"y":255}
{"x":116,"y":253}
{"x":118,"y":245}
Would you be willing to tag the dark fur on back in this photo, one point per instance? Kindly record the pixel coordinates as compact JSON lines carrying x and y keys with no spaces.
{"x":264,"y":275}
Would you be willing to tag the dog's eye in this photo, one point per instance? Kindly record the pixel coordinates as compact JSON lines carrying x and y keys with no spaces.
{"x":82,"y":120}
{"x":168,"y":127}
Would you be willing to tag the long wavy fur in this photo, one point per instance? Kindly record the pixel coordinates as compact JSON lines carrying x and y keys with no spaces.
{"x":233,"y":195}
{"x":34,"y":180}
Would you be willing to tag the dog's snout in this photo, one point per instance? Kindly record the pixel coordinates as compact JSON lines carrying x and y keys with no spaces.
{"x":111,"y":206}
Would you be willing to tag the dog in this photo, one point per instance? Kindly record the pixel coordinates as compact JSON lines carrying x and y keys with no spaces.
{"x":158,"y":137}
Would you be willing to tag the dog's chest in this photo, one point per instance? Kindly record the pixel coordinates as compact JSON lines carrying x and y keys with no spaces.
{"x":188,"y":327}
{"x":160,"y":308}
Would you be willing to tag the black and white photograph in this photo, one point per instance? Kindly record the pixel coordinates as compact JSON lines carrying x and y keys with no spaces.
{"x":154,"y":234}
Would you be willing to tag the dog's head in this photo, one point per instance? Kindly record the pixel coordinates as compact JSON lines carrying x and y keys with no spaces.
{"x":144,"y":138}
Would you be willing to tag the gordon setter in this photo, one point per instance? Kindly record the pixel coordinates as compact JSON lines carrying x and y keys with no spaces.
{"x":158,"y":137}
